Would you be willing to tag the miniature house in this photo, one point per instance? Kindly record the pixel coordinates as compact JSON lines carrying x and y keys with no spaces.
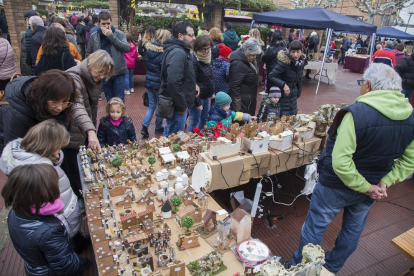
{"x":241,"y":225}
{"x":166,"y":209}
{"x":189,"y":210}
{"x":209,"y":220}
{"x":138,"y":238}
{"x":125,"y":200}
{"x":257,"y":144}
{"x":168,"y":159}
{"x":281,"y":141}
{"x":224,"y":148}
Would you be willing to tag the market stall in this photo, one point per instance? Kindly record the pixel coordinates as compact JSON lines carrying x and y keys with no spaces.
{"x":356,"y":63}
{"x":329,"y":71}
{"x":393,"y":33}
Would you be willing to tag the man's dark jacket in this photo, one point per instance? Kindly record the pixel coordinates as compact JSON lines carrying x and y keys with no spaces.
{"x":405,"y":68}
{"x":36,"y":42}
{"x":177,"y":77}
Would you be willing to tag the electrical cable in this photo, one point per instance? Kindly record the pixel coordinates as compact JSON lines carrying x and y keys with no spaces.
{"x":281,"y":203}
{"x":389,"y":202}
{"x":221,"y":171}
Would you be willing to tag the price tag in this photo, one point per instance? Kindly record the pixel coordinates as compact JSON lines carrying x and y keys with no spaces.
{"x":177,"y":268}
{"x":190,"y":241}
{"x":189,"y":198}
{"x":196,"y":213}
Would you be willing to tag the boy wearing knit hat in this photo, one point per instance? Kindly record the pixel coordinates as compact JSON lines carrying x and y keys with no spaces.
{"x":270,"y":107}
{"x":220,"y":112}
{"x":221,"y":67}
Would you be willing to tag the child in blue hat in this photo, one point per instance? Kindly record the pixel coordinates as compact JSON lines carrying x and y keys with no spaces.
{"x":220,"y":112}
{"x":270,"y":107}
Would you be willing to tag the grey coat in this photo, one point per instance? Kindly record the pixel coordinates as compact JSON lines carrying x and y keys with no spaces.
{"x":119,"y":46}
{"x":72,"y":40}
{"x":89,"y":91}
{"x":14,"y":156}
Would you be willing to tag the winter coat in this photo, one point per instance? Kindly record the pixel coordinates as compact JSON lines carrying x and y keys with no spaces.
{"x":221,"y":74}
{"x":131,"y":56}
{"x":89,"y":90}
{"x":27,"y":38}
{"x":285,"y":72}
{"x":217,"y":115}
{"x":36,"y":42}
{"x":398,"y":55}
{"x":204,"y":77}
{"x":80,"y":33}
{"x":215,"y":51}
{"x":72,"y":40}
{"x":178,"y":79}
{"x":119,"y":46}
{"x":72,"y":49}
{"x":25,"y":69}
{"x":231,"y":39}
{"x":142,"y":50}
{"x":7,"y":64}
{"x":405,"y":68}
{"x":270,"y":56}
{"x":268,"y":110}
{"x":14,"y":156}
{"x":44,"y":245}
{"x":243,"y":83}
{"x":18,"y":116}
{"x":74,"y":20}
{"x":62,"y":61}
{"x":153,"y":66}
{"x":346,"y":44}
{"x":110,"y":134}
{"x":3,"y":24}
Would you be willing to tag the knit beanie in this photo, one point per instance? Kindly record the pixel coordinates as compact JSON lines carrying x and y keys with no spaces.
{"x":222,"y":99}
{"x":224,"y":50}
{"x":275,"y":92}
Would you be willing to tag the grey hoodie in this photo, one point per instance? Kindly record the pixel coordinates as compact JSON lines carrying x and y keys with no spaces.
{"x":14,"y":156}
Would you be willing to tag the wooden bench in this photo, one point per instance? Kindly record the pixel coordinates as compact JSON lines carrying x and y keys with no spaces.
{"x":405,"y":244}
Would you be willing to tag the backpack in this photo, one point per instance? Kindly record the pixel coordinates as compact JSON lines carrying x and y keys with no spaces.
{"x":3,"y":92}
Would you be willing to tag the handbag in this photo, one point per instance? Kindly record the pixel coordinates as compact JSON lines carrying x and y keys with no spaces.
{"x":165,"y":107}
{"x":145,"y":99}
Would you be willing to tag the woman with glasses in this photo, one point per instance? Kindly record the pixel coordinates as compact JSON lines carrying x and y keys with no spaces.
{"x":204,"y":73}
{"x":31,"y":100}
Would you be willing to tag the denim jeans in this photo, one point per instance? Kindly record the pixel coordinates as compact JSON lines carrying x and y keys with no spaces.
{"x":114,"y":87}
{"x":326,"y":203}
{"x":129,"y":79}
{"x":153,"y":99}
{"x":198,"y":118}
{"x":342,"y":58}
{"x":175,"y":124}
{"x":407,"y":93}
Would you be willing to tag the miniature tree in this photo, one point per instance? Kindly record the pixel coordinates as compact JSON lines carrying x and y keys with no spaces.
{"x":176,"y":147}
{"x":117,"y":162}
{"x":151,"y":151}
{"x":176,"y":201}
{"x":151,"y":160}
{"x":188,"y":223}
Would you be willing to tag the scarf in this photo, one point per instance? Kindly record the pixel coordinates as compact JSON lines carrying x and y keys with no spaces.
{"x":116,"y":123}
{"x":203,"y":57}
{"x":222,"y":112}
{"x":49,"y":208}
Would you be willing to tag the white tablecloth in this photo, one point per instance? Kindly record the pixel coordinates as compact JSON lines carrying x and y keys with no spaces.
{"x":331,"y":69}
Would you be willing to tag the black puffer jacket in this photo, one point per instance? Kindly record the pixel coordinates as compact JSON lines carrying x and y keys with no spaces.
{"x":286,"y":72}
{"x":243,"y":83}
{"x":36,"y":42}
{"x":204,"y":77}
{"x":27,"y":38}
{"x":405,"y":68}
{"x":178,"y":79}
{"x":44,"y":245}
{"x":215,"y":51}
{"x":110,"y":134}
{"x":270,"y":56}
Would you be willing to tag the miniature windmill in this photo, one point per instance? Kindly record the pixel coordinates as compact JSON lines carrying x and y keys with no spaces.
{"x":166,"y":209}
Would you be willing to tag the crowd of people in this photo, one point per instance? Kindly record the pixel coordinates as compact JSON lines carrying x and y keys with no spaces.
{"x":206,"y":78}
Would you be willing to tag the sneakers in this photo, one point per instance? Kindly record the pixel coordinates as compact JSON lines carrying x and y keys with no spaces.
{"x":263,"y":93}
{"x":307,"y":77}
{"x":127,"y":92}
{"x":144,"y":131}
{"x":132,"y":90}
{"x":159,"y":130}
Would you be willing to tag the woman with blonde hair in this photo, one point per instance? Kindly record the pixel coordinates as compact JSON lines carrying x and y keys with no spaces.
{"x":255,"y":33}
{"x":217,"y":37}
{"x":148,"y":36}
{"x":154,"y":53}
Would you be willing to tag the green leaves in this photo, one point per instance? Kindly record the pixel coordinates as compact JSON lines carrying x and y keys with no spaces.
{"x":161,"y":22}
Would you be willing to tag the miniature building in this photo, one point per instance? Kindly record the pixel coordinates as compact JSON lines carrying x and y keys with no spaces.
{"x":137,"y":238}
{"x":148,"y":225}
{"x":189,"y":210}
{"x":125,"y":200}
{"x":133,"y":219}
{"x":209,"y":220}
{"x":166,"y":209}
{"x":187,"y":242}
{"x":241,"y":224}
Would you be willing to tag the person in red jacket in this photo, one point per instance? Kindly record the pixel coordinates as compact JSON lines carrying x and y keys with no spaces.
{"x":385,"y":53}
{"x":130,"y":58}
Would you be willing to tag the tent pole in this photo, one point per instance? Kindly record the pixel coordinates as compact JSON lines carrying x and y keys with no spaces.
{"x":328,"y":39}
{"x":302,"y":31}
{"x":251,"y":25}
{"x":372,"y":47}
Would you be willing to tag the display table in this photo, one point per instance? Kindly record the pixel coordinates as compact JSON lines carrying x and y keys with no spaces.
{"x":405,"y":243}
{"x":240,"y":169}
{"x":356,"y":63}
{"x":329,"y":70}
{"x":139,"y":67}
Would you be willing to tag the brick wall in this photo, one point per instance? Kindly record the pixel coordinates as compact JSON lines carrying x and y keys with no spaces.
{"x":114,"y":11}
{"x":16,"y":22}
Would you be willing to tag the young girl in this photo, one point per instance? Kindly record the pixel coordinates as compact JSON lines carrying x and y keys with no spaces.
{"x":220,"y":112}
{"x":32,"y":191}
{"x":116,"y":127}
{"x":130,"y":58}
{"x":41,"y":145}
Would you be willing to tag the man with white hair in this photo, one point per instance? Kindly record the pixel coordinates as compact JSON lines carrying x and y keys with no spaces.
{"x":370,"y":147}
{"x":385,"y":55}
{"x":39,"y":30}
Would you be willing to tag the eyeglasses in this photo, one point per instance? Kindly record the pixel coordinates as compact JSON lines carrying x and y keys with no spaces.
{"x":105,"y":23}
{"x":360,"y":82}
{"x":205,"y":50}
{"x":55,"y":104}
{"x":190,"y":35}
